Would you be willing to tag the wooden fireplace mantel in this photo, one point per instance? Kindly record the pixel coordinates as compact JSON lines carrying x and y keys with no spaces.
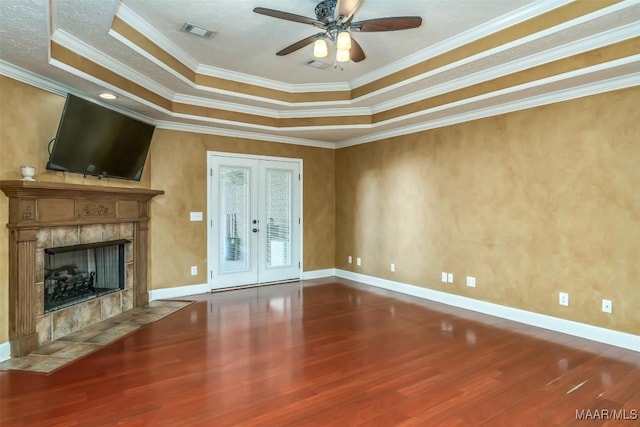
{"x":46,"y":204}
{"x":34,"y":205}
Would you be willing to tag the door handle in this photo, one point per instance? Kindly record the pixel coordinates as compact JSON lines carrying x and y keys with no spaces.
{"x":255,"y":230}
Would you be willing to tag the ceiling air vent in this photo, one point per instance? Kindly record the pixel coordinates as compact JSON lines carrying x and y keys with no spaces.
{"x":317,"y":64}
{"x":197,"y":31}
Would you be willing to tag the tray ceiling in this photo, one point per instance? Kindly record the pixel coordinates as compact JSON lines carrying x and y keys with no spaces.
{"x":469,"y":59}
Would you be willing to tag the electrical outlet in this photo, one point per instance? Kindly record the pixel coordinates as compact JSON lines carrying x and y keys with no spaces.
{"x":471,"y":282}
{"x":195,"y":216}
{"x":350,"y":259}
{"x":607,"y":306}
{"x":443,"y":277}
{"x":358,"y":261}
{"x":393,"y":267}
{"x":194,"y":270}
{"x":563,"y":299}
{"x":450,"y":277}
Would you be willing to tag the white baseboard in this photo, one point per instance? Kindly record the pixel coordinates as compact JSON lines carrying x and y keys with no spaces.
{"x":318,"y":274}
{"x":582,"y":330}
{"x":5,"y":351}
{"x":181,"y":291}
{"x":178,"y":291}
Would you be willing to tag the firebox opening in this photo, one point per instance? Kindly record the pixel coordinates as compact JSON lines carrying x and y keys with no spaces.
{"x":73,"y":274}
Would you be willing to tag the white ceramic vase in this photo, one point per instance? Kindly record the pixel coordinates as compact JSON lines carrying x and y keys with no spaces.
{"x":28,"y":172}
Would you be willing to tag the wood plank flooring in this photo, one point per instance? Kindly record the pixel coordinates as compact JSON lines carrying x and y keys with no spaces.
{"x":331,"y":353}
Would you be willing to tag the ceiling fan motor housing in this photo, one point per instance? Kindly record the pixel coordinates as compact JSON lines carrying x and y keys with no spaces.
{"x":325,"y":10}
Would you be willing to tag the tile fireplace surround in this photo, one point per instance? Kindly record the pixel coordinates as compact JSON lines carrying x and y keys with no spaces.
{"x":47,"y":214}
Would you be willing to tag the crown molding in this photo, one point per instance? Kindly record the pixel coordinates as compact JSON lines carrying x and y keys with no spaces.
{"x":573,"y":48}
{"x":612,"y":65}
{"x":333,"y":112}
{"x":617,"y":83}
{"x":465,"y":38}
{"x":504,"y":21}
{"x":517,"y":16}
{"x":267,"y":112}
{"x":83,"y":49}
{"x":48,"y":85}
{"x":134,"y":20}
{"x":493,"y":26}
{"x":250,"y":125}
{"x":272,"y":84}
{"x":623,"y":82}
{"x":125,"y":41}
{"x":232,"y":133}
{"x":570,"y":49}
{"x":25,"y":76}
{"x":110,"y":88}
{"x":142,"y":26}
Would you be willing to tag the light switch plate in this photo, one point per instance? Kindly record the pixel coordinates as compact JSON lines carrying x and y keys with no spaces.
{"x":195,"y":216}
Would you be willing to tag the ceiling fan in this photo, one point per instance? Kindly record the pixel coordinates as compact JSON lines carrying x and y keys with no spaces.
{"x":335,"y":19}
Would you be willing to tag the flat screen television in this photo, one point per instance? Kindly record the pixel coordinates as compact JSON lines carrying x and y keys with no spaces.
{"x":94,"y":140}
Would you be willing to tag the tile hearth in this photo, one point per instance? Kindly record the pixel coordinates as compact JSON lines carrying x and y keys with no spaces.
{"x":65,"y":350}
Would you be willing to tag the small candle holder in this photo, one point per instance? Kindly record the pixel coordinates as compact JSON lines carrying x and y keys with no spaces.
{"x":28,"y":172}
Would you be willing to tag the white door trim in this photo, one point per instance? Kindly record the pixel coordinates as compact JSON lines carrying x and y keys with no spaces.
{"x":211,"y":206}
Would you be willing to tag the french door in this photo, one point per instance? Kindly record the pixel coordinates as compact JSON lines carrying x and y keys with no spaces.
{"x":254,"y":220}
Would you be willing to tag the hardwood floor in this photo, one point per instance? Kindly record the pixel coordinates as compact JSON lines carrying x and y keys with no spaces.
{"x":331,"y":353}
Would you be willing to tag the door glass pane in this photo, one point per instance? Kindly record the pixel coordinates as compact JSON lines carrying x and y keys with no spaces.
{"x":279,"y":218}
{"x":234,"y":218}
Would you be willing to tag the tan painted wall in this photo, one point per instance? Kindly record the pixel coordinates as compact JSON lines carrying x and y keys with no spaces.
{"x":530,"y":203}
{"x":179,"y":167}
{"x":28,"y":121}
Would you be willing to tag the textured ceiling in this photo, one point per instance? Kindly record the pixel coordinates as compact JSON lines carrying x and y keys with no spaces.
{"x":469,"y":59}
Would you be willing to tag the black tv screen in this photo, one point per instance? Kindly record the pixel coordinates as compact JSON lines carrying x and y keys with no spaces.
{"x":94,"y":140}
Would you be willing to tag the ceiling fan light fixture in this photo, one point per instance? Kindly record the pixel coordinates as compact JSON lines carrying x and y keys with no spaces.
{"x":342,"y":55}
{"x":335,"y":19}
{"x":320,"y":48}
{"x":343,"y":41}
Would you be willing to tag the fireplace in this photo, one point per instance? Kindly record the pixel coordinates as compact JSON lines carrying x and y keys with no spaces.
{"x":48,"y":221}
{"x":68,"y":296}
{"x":78,"y":273}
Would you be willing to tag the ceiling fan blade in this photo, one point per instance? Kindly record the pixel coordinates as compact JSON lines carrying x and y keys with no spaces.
{"x":346,"y":9}
{"x":288,"y":16}
{"x":299,"y":44}
{"x":356,"y":53}
{"x":387,"y":24}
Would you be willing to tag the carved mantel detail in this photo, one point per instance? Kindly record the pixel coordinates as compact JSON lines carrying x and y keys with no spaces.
{"x":95,"y":209}
{"x":34,"y":205}
{"x":27,"y":213}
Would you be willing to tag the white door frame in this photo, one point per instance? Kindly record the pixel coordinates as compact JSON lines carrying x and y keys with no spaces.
{"x":211,"y":208}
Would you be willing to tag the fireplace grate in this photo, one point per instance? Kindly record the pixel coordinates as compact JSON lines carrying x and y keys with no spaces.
{"x":78,"y":273}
